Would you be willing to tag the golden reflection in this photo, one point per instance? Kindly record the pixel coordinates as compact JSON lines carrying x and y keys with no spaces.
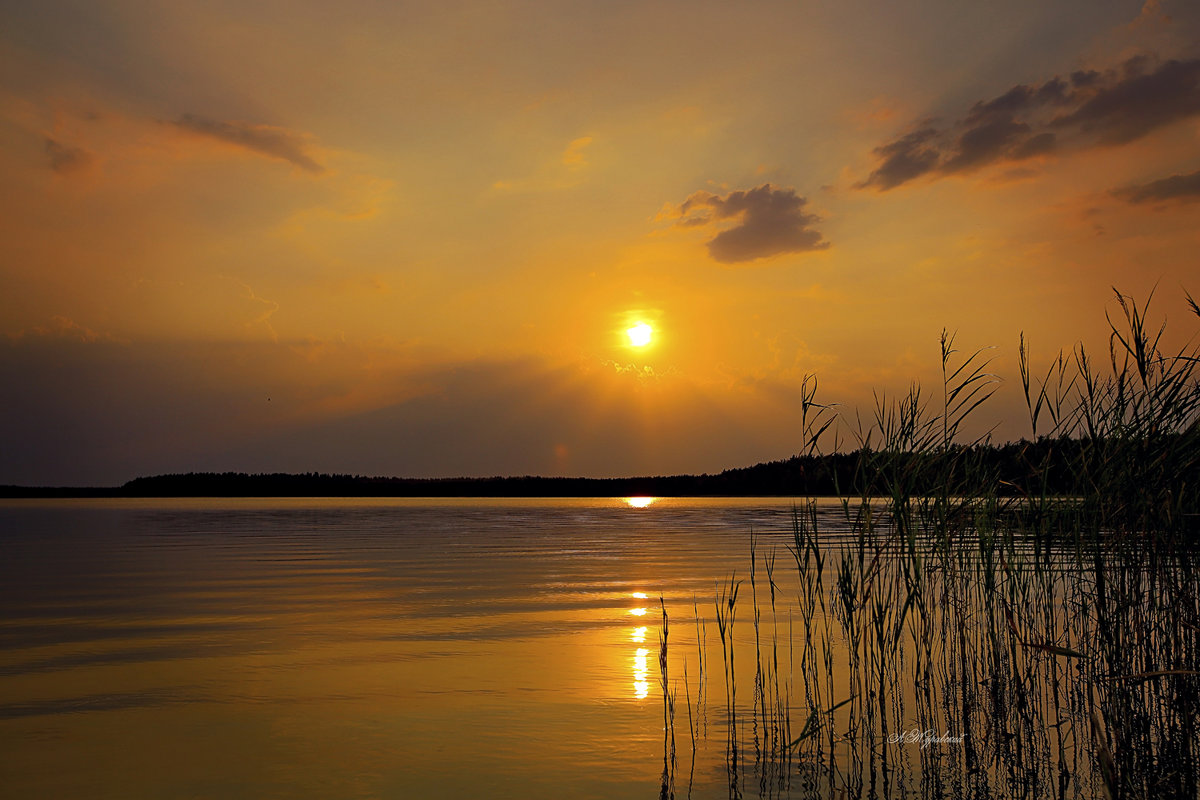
{"x":641,"y":656}
{"x":639,"y":502}
{"x":641,"y":671}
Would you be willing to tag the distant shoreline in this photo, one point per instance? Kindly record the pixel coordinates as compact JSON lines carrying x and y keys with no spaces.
{"x":1023,"y":468}
{"x":218,"y":486}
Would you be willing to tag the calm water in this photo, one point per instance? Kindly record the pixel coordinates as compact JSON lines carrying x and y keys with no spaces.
{"x":361,"y":648}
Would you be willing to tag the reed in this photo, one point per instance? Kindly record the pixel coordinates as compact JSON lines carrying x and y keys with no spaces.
{"x":668,"y":695}
{"x":1049,"y":624}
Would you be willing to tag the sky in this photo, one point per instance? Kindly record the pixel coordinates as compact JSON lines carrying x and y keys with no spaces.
{"x":392,"y":238}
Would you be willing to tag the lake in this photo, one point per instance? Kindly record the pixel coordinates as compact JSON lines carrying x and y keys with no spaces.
{"x":397,"y":648}
{"x":361,"y":647}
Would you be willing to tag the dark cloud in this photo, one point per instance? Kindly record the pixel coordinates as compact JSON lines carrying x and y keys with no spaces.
{"x":987,"y":142}
{"x":770,"y":222}
{"x":910,"y":156}
{"x":1090,"y":109}
{"x":1184,"y":188}
{"x":262,"y":139}
{"x":1041,"y":144}
{"x":1013,"y":101}
{"x":1138,"y":103}
{"x":66,"y":159}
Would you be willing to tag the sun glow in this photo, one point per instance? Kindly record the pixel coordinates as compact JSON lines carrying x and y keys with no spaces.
{"x":640,"y":334}
{"x":639,"y":502}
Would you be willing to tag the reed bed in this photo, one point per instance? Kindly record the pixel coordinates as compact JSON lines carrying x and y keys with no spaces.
{"x":963,"y":636}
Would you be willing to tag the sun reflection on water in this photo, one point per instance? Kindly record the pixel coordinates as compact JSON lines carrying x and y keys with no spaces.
{"x":641,"y":671}
{"x":641,"y":656}
{"x":639,"y":502}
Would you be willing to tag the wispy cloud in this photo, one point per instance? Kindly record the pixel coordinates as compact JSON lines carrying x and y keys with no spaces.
{"x":574,"y":157}
{"x":61,"y":328}
{"x":67,"y":159}
{"x":769,"y":222}
{"x":265,"y":140}
{"x":565,"y":171}
{"x":1087,"y":109}
{"x":1180,"y":188}
{"x":262,"y":310}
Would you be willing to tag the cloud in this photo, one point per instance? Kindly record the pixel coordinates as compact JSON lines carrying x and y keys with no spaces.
{"x":770,"y":222}
{"x":573,"y":157}
{"x":908,"y":157}
{"x":565,"y":171}
{"x":66,"y":159}
{"x":264,"y":309}
{"x":1151,"y":13}
{"x":1137,"y":103}
{"x":262,"y":139}
{"x":1088,"y":109}
{"x":61,"y":328}
{"x":1184,"y":188}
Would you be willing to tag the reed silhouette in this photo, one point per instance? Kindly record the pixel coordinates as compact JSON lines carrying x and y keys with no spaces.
{"x":969,"y":635}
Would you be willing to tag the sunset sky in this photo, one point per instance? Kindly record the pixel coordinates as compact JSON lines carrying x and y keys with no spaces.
{"x":409,"y":238}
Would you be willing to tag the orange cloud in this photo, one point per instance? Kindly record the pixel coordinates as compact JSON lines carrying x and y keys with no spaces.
{"x":63,"y":329}
{"x":573,"y":157}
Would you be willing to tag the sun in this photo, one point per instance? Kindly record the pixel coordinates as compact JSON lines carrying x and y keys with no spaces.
{"x":640,"y":334}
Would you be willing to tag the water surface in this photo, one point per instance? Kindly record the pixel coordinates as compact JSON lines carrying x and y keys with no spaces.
{"x":359,"y":647}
